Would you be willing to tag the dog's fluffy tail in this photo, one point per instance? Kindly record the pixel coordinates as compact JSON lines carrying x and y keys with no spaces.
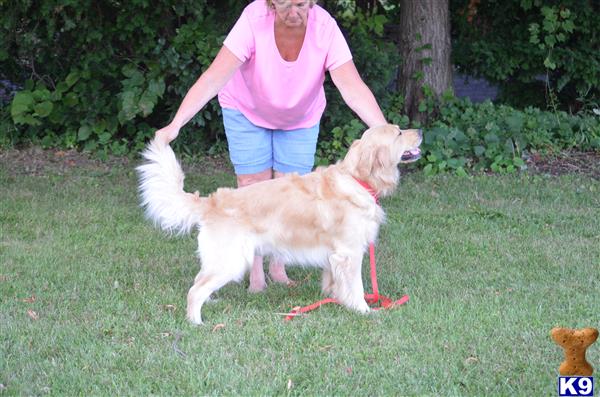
{"x":162,"y":194}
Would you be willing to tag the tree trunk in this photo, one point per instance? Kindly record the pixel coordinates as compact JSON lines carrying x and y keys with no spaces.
{"x":425,"y":48}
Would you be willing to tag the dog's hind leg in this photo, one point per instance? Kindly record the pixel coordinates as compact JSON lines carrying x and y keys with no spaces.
{"x":347,"y":286}
{"x":219,"y":267}
{"x":203,"y":287}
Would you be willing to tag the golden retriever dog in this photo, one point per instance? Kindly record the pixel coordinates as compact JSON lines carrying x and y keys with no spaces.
{"x":326,"y":218}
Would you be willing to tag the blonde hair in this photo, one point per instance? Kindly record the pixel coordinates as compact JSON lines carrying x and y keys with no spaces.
{"x":272,"y":6}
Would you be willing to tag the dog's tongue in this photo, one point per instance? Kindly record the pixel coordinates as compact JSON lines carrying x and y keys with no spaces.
{"x":411,"y":155}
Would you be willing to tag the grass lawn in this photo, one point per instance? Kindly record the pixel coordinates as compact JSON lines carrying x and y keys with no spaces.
{"x":92,"y":297}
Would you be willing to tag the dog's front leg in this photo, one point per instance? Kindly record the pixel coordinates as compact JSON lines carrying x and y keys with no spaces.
{"x":347,"y":286}
{"x":327,"y":281}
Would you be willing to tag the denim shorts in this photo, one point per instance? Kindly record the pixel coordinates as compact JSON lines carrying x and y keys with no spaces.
{"x":254,"y":149}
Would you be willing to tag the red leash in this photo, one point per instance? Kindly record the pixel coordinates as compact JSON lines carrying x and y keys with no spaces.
{"x":372,"y":299}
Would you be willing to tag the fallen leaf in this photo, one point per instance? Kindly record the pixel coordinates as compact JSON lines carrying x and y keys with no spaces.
{"x":471,"y":360}
{"x":32,"y":314}
{"x":29,"y":300}
{"x":218,"y":327}
{"x":170,"y":308}
{"x":349,"y":370}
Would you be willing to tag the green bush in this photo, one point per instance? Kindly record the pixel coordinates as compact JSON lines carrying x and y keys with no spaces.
{"x":469,"y":137}
{"x":539,"y":52}
{"x":498,"y":138}
{"x":103,"y":75}
{"x":376,"y":59}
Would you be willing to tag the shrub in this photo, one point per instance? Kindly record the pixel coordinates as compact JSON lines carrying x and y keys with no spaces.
{"x":102,"y":76}
{"x":499,"y":138}
{"x":375,"y":57}
{"x":470,"y":137}
{"x":539,"y":52}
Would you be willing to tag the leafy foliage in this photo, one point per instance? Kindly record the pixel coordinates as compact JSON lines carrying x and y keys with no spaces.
{"x":376,"y":58}
{"x":488,"y":137}
{"x":550,"y":49}
{"x":103,"y":75}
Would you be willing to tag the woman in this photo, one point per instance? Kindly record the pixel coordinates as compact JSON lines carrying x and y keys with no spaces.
{"x":269,"y":78}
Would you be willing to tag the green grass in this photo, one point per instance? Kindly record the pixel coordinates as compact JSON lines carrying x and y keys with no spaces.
{"x":491,"y":264}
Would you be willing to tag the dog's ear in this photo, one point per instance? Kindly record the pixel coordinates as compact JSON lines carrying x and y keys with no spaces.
{"x":375,"y":159}
{"x":366,"y":159}
{"x":372,"y":159}
{"x":364,"y":164}
{"x":383,"y":157}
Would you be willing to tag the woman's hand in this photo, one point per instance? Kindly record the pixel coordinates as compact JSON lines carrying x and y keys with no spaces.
{"x":167,"y":134}
{"x":357,"y":94}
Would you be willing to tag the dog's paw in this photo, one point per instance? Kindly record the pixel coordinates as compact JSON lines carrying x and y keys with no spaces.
{"x":357,"y":305}
{"x":194,"y":316}
{"x":362,"y":307}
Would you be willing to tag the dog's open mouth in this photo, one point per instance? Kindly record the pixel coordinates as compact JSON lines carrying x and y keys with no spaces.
{"x":411,"y":155}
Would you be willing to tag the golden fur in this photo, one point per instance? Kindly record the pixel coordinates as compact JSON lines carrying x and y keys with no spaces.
{"x":325,"y":218}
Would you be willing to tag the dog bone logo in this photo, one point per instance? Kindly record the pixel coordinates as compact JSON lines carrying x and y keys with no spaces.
{"x":575,"y":342}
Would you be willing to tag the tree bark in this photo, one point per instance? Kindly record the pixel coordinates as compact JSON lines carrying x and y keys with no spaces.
{"x":425,"y":49}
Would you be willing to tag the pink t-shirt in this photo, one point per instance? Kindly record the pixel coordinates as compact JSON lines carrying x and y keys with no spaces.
{"x":271,"y":92}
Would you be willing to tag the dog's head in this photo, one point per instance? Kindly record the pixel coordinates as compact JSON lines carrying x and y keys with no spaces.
{"x":374,"y":158}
